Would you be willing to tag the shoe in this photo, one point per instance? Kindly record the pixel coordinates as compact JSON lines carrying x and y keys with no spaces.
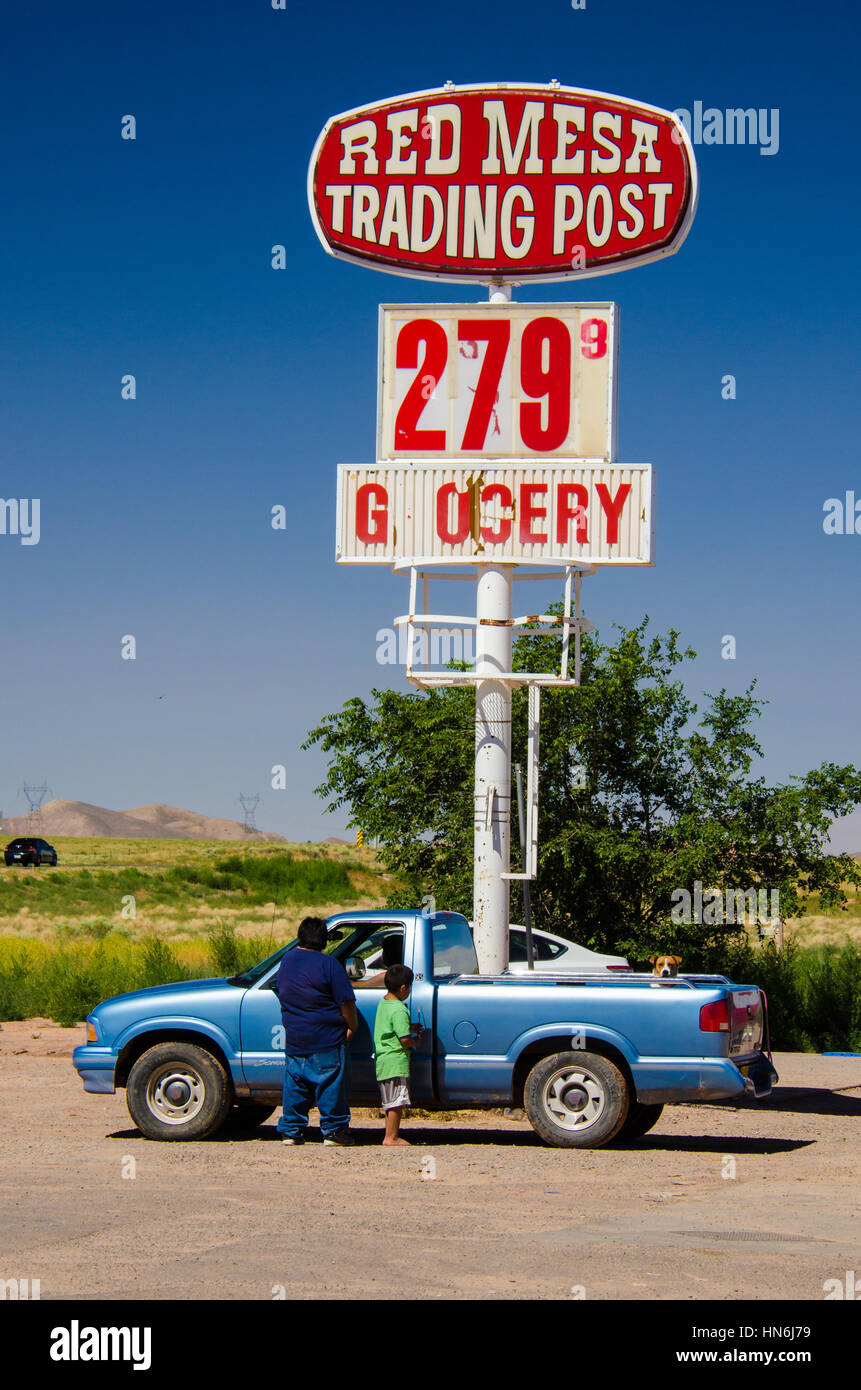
{"x":293,"y":1139}
{"x":341,"y":1136}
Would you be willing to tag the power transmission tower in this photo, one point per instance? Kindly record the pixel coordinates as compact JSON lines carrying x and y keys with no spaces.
{"x":249,"y":805}
{"x":34,"y":797}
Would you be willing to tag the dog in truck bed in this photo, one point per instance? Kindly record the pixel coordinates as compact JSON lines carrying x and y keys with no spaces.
{"x":665,"y":966}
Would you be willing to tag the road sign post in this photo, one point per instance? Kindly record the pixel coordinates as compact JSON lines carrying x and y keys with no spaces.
{"x":496,"y":424}
{"x":492,"y":826}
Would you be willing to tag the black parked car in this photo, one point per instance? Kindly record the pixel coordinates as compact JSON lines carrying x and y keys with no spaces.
{"x":30,"y":851}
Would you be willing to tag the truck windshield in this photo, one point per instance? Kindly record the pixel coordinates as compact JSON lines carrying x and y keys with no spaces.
{"x":250,"y":977}
{"x":344,"y":939}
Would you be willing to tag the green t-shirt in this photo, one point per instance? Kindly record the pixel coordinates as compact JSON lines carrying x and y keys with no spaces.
{"x":391,"y":1024}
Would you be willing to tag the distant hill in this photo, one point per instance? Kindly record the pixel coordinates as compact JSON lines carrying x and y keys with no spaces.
{"x":141,"y":822}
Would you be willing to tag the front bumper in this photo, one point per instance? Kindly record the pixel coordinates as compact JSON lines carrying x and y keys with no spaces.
{"x":96,"y":1067}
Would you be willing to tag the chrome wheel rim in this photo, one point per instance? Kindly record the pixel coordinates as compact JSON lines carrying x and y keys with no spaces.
{"x":175,"y":1093}
{"x":573,"y":1099}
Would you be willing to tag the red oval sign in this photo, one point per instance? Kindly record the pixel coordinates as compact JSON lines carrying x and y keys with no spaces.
{"x":503,"y":182}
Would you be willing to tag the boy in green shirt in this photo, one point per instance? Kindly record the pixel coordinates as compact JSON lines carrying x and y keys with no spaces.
{"x":394,"y":1038}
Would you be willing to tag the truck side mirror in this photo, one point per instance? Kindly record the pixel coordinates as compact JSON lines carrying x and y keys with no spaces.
{"x":355,"y":968}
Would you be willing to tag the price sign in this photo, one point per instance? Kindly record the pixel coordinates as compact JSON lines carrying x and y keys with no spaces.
{"x":497,"y":381}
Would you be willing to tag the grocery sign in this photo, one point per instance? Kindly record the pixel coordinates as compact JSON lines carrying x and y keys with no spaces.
{"x":511,"y":513}
{"x":497,"y":381}
{"x":504,"y":181}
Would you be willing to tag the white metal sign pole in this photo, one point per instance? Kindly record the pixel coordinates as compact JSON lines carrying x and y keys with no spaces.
{"x":492,"y":826}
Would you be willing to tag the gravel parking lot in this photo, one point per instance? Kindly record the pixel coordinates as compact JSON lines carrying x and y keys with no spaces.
{"x":754,"y":1201}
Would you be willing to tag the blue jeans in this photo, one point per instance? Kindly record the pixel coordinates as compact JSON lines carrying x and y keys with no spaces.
{"x":321,"y":1079}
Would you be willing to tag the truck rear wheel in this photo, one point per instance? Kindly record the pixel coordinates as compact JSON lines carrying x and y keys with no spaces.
{"x":576,"y":1100}
{"x":178,"y":1091}
{"x":641,"y":1118}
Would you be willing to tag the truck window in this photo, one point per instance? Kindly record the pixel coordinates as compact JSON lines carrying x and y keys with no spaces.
{"x":453,"y":951}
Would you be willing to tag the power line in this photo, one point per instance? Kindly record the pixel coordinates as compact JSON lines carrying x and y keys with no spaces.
{"x":249,"y":803}
{"x":34,"y":797}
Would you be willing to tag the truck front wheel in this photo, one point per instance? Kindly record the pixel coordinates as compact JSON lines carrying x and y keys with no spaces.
{"x":576,"y":1100}
{"x":178,"y":1091}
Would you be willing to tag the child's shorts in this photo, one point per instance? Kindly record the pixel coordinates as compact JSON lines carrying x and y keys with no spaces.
{"x":394,"y":1093}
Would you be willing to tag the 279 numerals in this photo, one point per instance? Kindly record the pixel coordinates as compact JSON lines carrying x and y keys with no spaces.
{"x":538,"y":382}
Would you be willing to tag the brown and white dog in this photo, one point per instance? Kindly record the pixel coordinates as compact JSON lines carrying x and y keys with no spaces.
{"x":665,"y":966}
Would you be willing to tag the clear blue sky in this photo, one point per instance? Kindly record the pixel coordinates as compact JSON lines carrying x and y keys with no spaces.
{"x":153,"y":257}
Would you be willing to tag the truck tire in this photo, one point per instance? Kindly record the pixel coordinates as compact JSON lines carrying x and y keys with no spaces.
{"x":576,"y":1100}
{"x":177,"y":1091}
{"x":641,"y":1118}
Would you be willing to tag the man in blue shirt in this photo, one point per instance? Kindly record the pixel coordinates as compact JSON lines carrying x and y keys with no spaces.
{"x":318,"y":1011}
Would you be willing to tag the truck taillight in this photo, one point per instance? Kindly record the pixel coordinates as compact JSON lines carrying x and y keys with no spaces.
{"x":747,"y":1021}
{"x":714,"y":1018}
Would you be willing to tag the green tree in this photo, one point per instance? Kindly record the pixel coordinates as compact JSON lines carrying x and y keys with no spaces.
{"x":641,"y":795}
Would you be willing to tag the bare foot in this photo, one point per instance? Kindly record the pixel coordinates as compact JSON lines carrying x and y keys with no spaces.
{"x":391,"y":1143}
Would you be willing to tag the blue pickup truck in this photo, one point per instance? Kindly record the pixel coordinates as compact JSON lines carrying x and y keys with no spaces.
{"x":591,"y":1060}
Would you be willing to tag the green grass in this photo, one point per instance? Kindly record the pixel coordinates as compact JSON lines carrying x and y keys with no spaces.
{"x":278,"y":878}
{"x":205,"y":908}
{"x":87,"y":852}
{"x":179,"y":888}
{"x":64,"y":980}
{"x":813,"y":992}
{"x":814,"y":995}
{"x":120,"y":915}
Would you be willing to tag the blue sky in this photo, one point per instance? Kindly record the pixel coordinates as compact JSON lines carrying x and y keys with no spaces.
{"x":153,"y":257}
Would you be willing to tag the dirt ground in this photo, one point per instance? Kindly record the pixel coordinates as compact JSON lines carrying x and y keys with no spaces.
{"x":748,"y":1201}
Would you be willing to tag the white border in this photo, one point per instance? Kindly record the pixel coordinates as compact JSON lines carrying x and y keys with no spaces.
{"x":484,"y":279}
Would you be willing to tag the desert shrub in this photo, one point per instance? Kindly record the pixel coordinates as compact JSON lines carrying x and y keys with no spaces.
{"x":281,"y":878}
{"x":75,"y":979}
{"x":98,"y":929}
{"x":157,"y":964}
{"x":230,"y":953}
{"x":831,"y":999}
{"x":17,"y":997}
{"x":223,"y":948}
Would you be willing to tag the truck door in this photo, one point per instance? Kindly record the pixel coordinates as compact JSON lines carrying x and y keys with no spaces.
{"x":373,"y":943}
{"x":443,"y":943}
{"x":261,"y":1035}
